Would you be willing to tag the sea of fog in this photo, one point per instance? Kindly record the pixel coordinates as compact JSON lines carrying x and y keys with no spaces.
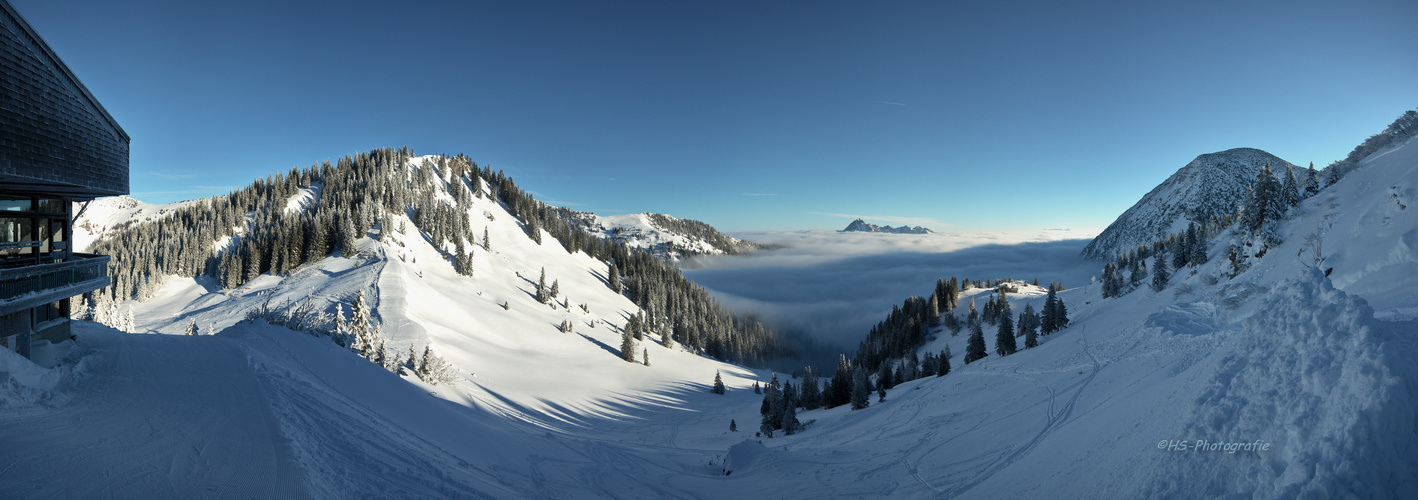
{"x":832,"y":287}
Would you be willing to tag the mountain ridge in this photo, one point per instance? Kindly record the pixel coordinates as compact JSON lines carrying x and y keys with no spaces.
{"x":1211,"y":185}
{"x":860,"y":225}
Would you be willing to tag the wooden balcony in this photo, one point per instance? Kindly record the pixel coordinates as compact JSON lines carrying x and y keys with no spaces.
{"x":30,"y":286}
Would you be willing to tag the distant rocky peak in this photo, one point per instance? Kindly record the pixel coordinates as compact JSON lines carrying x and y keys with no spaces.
{"x":860,"y":225}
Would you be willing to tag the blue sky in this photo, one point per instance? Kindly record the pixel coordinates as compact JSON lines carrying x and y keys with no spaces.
{"x":748,"y":115}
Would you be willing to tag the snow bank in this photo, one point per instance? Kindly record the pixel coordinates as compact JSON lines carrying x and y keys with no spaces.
{"x":22,"y":382}
{"x":1316,"y":379}
{"x":742,"y":456}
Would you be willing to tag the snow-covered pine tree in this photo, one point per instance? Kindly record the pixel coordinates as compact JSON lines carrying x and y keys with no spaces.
{"x":378,"y":353}
{"x":361,"y":327}
{"x":718,"y":384}
{"x":627,"y":347}
{"x":1290,"y":191}
{"x":346,"y":236}
{"x":943,"y":362}
{"x":975,"y":345}
{"x":542,"y":295}
{"x":1312,"y":182}
{"x":613,"y":278}
{"x":487,"y":242}
{"x":1266,"y":202}
{"x":1160,"y":274}
{"x":789,"y":422}
{"x":555,"y":289}
{"x":191,"y":327}
{"x":342,"y":330}
{"x":426,"y":365}
{"x":1196,"y":245}
{"x":646,"y":353}
{"x":1049,"y":323}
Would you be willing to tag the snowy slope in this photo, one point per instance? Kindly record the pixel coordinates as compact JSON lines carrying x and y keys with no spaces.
{"x":1317,"y":369}
{"x":96,"y":217}
{"x":1212,"y":184}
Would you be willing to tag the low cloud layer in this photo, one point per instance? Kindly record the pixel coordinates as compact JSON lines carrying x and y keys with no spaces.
{"x":835,"y":286}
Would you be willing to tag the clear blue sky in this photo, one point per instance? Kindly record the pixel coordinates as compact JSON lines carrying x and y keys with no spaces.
{"x":747,"y":115}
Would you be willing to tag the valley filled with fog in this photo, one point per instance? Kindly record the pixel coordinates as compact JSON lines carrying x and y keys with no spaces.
{"x":833,"y":286}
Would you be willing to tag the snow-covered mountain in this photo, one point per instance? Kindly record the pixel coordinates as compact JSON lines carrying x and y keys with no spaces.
{"x":1293,"y":379}
{"x":866,"y":227}
{"x":665,"y":235}
{"x":97,"y":217}
{"x":1212,"y":184}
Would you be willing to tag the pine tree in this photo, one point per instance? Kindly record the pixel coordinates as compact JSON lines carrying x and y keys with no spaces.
{"x":1196,"y":244}
{"x":861,"y":389}
{"x":1004,"y":338}
{"x":1290,"y":190}
{"x":880,"y":393}
{"x":1312,"y":182}
{"x":542,"y":295}
{"x":627,"y":347}
{"x":972,"y":318}
{"x":614,"y":278}
{"x":342,"y":330}
{"x":841,"y":392}
{"x":191,"y":327}
{"x":733,"y":426}
{"x":1266,"y":202}
{"x":718,"y":384}
{"x":884,"y":377}
{"x":347,"y":236}
{"x":1027,"y":320}
{"x":1049,"y":321}
{"x":975,"y":346}
{"x":487,"y":243}
{"x":1160,"y":274}
{"x":425,"y":365}
{"x":943,"y":363}
{"x":647,"y":356}
{"x":811,"y":394}
{"x":361,"y":327}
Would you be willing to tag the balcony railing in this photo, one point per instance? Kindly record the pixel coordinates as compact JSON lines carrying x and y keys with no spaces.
{"x":30,"y":286}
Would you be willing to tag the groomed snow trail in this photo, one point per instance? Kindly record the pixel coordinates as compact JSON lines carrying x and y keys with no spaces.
{"x":146,"y":424}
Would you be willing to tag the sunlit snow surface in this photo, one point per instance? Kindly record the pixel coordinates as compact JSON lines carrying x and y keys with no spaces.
{"x":1280,"y":355}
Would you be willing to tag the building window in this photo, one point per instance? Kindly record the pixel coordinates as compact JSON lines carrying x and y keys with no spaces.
{"x":15,"y":204}
{"x":14,"y":233}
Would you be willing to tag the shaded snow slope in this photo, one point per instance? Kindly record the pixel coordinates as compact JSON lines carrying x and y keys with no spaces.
{"x":1212,"y":184}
